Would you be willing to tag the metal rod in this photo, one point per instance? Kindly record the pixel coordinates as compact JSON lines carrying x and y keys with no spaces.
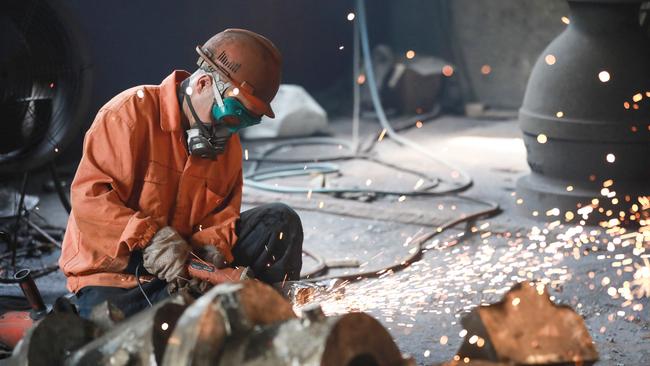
{"x":27,"y":284}
{"x":42,"y":232}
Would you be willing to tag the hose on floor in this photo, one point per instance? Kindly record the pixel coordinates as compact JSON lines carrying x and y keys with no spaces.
{"x":256,"y":177}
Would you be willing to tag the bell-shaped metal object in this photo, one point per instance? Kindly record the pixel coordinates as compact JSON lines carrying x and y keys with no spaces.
{"x":586,"y":114}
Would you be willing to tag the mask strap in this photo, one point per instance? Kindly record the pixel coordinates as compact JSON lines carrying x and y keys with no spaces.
{"x":216,"y":80}
{"x":197,"y":120}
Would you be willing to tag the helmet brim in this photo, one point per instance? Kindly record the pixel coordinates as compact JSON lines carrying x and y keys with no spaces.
{"x":256,"y":105}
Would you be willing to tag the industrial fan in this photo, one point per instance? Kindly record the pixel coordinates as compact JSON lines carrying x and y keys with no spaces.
{"x":44,"y":97}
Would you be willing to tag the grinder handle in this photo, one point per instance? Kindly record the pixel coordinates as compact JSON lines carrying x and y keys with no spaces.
{"x":208,"y":272}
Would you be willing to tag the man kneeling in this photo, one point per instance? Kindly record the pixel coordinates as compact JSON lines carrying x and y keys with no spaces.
{"x":160,"y":183}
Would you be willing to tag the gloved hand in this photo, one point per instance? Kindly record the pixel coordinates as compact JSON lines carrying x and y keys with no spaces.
{"x":212,"y":255}
{"x":166,"y":256}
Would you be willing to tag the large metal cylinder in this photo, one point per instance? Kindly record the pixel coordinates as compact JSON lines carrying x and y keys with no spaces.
{"x":227,"y":310}
{"x":348,"y":340}
{"x":586,"y":113}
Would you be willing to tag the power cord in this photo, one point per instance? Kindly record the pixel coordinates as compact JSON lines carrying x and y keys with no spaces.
{"x":137,"y":277}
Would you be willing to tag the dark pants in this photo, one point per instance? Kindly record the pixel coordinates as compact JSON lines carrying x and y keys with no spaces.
{"x":270,"y":243}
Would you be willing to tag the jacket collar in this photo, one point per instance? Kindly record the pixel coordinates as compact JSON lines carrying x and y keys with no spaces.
{"x":170,"y":111}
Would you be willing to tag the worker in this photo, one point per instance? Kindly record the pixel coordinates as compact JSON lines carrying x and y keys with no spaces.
{"x":160,"y":182}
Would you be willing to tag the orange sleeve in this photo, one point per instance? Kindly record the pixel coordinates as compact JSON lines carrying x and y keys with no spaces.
{"x":218,"y":229}
{"x":102,"y":185}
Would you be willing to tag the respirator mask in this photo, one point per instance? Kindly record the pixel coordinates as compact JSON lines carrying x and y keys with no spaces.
{"x":209,"y":139}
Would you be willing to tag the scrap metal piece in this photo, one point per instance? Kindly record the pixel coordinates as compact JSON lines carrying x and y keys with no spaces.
{"x":230,"y":309}
{"x":351,"y":339}
{"x":526,"y":327}
{"x":52,"y":339}
{"x":139,"y":341}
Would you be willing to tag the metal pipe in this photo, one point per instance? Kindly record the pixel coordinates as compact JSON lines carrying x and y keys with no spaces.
{"x":28,"y":286}
{"x":47,"y":236}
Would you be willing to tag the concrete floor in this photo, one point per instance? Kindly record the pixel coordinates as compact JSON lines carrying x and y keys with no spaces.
{"x":421,"y":305}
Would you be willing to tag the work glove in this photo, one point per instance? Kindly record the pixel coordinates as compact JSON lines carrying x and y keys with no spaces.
{"x":212,"y":255}
{"x":166,"y":256}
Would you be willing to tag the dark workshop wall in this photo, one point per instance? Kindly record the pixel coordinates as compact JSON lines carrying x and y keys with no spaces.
{"x":508,"y":35}
{"x":142,"y":41}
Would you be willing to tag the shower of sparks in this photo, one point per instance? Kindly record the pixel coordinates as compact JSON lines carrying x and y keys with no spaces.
{"x":382,"y":134}
{"x":448,"y":71}
{"x":641,"y":282}
{"x":550,"y":59}
{"x":479,"y":271}
{"x":604,"y":76}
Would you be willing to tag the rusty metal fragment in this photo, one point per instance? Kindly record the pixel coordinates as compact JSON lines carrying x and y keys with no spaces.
{"x":526,"y":327}
{"x":348,"y":340}
{"x":226,"y":310}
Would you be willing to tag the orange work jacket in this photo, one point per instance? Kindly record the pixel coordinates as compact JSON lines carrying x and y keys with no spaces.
{"x":135,"y":176}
